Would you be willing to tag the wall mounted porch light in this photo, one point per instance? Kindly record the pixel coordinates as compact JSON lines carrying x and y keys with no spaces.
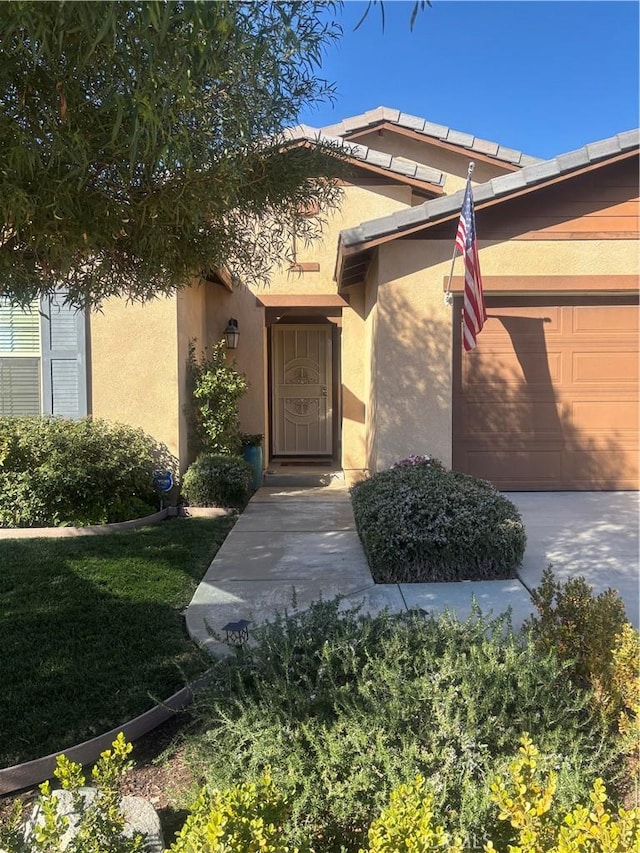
{"x":232,"y":334}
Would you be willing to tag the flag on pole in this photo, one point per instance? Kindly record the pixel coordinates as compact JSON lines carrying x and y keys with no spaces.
{"x":474,"y":313}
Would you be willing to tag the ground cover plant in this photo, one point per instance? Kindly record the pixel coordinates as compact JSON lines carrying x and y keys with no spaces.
{"x":92,"y":630}
{"x":254,"y":816}
{"x":343,"y":708}
{"x":55,"y":471}
{"x":420,"y":522}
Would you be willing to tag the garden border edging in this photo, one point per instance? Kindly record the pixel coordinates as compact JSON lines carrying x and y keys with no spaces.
{"x":116,"y":527}
{"x":90,"y":530}
{"x":31,"y":773}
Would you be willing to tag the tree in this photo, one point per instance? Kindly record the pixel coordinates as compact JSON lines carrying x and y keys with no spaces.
{"x":142,"y":142}
{"x":418,"y":6}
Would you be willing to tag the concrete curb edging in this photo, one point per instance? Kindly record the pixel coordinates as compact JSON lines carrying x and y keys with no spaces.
{"x":116,"y":527}
{"x":91,"y":530}
{"x":38,"y":770}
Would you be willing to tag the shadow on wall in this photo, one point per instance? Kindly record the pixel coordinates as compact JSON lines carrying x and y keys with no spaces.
{"x":410,"y":383}
{"x":511,"y":425}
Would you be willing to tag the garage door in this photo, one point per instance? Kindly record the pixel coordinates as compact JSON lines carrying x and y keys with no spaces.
{"x":549,"y":398}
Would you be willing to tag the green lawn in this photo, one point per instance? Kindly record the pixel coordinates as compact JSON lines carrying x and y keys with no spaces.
{"x":92,"y":630}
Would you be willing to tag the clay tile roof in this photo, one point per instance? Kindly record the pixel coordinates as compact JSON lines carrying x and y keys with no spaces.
{"x":397,"y":165}
{"x":428,"y":129}
{"x":505,"y":185}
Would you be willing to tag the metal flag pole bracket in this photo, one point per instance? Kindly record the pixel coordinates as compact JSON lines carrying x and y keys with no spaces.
{"x":448,"y":296}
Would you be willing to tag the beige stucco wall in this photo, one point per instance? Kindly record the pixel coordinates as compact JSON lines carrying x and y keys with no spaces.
{"x":191,"y":327}
{"x":358,"y":204}
{"x":411,"y":355}
{"x":134,"y":367}
{"x":357,"y":322}
{"x":558,"y":257}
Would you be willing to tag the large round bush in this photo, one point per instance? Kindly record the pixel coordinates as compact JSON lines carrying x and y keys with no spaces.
{"x":55,"y":471}
{"x":216,"y":480}
{"x":420,"y":522}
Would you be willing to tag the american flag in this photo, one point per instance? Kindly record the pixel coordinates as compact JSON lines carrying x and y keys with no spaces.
{"x":474,"y":313}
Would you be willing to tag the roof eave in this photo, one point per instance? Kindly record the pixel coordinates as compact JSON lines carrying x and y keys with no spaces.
{"x":357,"y":241}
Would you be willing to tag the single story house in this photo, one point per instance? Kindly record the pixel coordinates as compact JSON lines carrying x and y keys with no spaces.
{"x":353,"y":355}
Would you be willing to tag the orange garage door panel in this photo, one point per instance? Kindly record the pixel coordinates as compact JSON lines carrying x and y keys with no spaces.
{"x":549,"y":398}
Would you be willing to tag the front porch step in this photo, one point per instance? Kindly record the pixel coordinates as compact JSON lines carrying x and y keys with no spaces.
{"x":281,"y":475}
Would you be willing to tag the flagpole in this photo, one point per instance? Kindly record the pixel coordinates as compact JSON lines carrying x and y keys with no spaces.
{"x":448,"y":297}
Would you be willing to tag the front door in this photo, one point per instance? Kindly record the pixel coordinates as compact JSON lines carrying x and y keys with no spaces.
{"x":301,"y":391}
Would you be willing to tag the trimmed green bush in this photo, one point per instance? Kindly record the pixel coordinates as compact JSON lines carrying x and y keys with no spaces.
{"x":343,"y":708}
{"x":55,"y":472}
{"x":214,"y":480}
{"x":419,"y":523}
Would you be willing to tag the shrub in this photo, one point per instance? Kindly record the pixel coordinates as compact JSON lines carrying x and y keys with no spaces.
{"x":593,"y":638}
{"x":214,"y":480}
{"x":527,"y":801}
{"x":419,"y":522}
{"x":625,"y":694}
{"x":100,"y":826}
{"x":525,"y":798}
{"x":55,"y":471}
{"x":254,"y":816}
{"x":212,"y":412}
{"x":344,"y":707}
{"x":245,"y":817}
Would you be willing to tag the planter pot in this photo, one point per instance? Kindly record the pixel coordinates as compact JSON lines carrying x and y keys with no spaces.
{"x":253,"y":455}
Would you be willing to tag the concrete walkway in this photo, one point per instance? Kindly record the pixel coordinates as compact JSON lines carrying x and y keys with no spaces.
{"x":300,"y":544}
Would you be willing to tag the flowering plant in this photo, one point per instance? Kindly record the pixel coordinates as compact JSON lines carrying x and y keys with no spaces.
{"x":413,"y":460}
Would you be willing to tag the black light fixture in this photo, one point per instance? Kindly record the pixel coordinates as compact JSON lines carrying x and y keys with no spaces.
{"x":232,"y":334}
{"x":237,"y":632}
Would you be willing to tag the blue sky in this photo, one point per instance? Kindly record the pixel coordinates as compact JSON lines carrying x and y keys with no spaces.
{"x":544,"y":77}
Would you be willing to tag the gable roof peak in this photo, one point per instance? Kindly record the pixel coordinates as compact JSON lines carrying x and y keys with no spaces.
{"x":429,"y":130}
{"x":504,"y":186}
{"x":368,"y":156}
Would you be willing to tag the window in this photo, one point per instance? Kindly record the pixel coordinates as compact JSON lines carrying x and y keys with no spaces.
{"x":43,"y":359}
{"x":20,"y":360}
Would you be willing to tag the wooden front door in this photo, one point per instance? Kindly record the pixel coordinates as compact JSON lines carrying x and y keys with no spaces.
{"x":301,"y":391}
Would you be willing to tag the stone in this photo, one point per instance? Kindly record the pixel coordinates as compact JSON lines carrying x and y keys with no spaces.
{"x":140,"y":816}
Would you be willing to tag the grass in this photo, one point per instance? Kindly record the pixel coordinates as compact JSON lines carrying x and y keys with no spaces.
{"x":92,"y":630}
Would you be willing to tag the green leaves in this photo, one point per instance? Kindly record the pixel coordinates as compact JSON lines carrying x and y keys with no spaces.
{"x":419,"y":523}
{"x":56,"y":471}
{"x":344,"y":707}
{"x":215,"y":480}
{"x":141,"y":142}
{"x":215,"y":388}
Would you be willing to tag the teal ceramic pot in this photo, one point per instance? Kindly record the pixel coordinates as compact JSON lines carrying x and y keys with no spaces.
{"x":253,"y":455}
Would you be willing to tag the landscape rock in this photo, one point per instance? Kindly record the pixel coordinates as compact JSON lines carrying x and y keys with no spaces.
{"x":140,"y":816}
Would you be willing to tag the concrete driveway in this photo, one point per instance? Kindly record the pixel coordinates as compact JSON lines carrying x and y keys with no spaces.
{"x":592,"y":534}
